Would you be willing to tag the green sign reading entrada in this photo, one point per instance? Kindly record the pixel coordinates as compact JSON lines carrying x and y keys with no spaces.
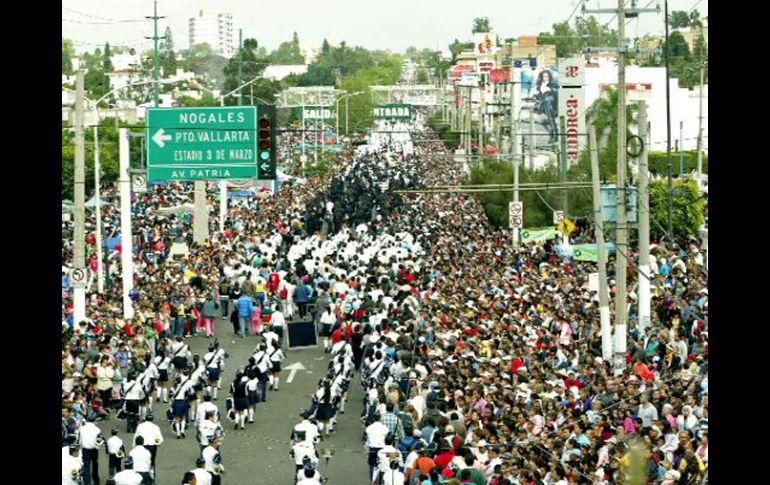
{"x":210,"y":143}
{"x":393,"y":112}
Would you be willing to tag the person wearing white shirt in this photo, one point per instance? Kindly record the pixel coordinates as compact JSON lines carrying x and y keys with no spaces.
{"x":128,"y":476}
{"x":71,"y":466}
{"x":214,"y":461}
{"x":151,"y":435}
{"x":91,"y":439}
{"x":180,"y":404}
{"x":208,"y":429}
{"x":309,"y":476}
{"x":202,"y":476}
{"x":206,"y":407}
{"x":302,"y":449}
{"x":375,"y":441}
{"x":277,"y":322}
{"x":142,"y":459}
{"x":115,"y":452}
{"x":393,"y":476}
{"x":305,"y":426}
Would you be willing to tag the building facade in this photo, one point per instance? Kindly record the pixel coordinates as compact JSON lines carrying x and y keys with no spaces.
{"x":215,"y":29}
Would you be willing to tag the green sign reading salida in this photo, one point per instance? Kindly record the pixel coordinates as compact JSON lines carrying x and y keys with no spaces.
{"x":210,"y":143}
{"x":393,"y":112}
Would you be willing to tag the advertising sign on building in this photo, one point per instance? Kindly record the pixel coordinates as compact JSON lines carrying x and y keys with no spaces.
{"x":484,"y":43}
{"x":500,"y":76}
{"x":572,"y":105}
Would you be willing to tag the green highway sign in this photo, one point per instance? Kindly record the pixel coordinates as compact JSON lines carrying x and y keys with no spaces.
{"x":209,"y":143}
{"x":393,"y":112}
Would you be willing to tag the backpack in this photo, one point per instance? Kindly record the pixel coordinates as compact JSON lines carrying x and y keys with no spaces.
{"x":284,"y":293}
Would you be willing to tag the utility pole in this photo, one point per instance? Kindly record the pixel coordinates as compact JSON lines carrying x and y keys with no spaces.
{"x":531,"y":138}
{"x":668,"y":135}
{"x":98,"y":210}
{"x":79,"y":294}
{"x":515,"y":101}
{"x":126,"y":251}
{"x":482,"y":108}
{"x":240,"y":66}
{"x":201,"y":222}
{"x":621,"y":233}
{"x":644,"y":224}
{"x":604,"y":307}
{"x":700,"y":113}
{"x":621,"y":243}
{"x":155,"y":38}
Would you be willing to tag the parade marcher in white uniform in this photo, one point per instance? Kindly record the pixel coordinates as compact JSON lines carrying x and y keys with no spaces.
{"x":71,"y":467}
{"x":214,"y":461}
{"x":152,"y":437}
{"x":116,"y":451}
{"x":91,"y":439}
{"x":142,"y":459}
{"x":276,"y":359}
{"x":202,"y":476}
{"x":129,"y":476}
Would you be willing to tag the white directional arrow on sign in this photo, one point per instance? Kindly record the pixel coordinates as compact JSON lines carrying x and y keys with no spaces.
{"x":294,"y":368}
{"x":160,"y":138}
{"x":265,"y":167}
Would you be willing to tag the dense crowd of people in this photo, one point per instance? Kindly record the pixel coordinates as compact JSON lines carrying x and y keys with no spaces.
{"x":480,"y":363}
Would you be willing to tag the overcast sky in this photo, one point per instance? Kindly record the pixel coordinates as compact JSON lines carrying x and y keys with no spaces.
{"x":374,"y":24}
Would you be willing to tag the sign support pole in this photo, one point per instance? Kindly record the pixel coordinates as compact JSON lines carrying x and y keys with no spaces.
{"x":127,"y":252}
{"x":604,"y":306}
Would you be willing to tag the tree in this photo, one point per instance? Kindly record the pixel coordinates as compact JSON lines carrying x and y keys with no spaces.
{"x":253,"y":66}
{"x":563,"y":37}
{"x":67,"y":53}
{"x":481,"y":24}
{"x":168,"y":60}
{"x":688,"y":209}
{"x":203,"y":61}
{"x":107,"y":63}
{"x":695,"y":20}
{"x":288,"y":52}
{"x":457,"y":47}
{"x":422,"y":77}
{"x":679,"y":19}
{"x":325,"y":47}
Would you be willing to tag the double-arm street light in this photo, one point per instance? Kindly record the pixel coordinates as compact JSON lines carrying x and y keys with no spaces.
{"x":97,"y":175}
{"x":345,"y":97}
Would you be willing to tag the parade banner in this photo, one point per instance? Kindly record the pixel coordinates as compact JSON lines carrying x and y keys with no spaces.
{"x":538,"y":235}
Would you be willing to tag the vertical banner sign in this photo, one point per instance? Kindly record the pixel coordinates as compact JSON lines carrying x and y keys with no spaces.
{"x":516,"y":215}
{"x":572,"y":104}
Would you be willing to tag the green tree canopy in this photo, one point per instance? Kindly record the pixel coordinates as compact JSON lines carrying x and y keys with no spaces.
{"x":168,"y":60}
{"x":481,"y":24}
{"x":288,"y":52}
{"x":67,"y":53}
{"x":679,"y":19}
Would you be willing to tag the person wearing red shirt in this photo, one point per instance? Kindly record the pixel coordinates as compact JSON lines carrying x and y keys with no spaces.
{"x":337,"y":335}
{"x":445,"y":457}
{"x":572,"y":382}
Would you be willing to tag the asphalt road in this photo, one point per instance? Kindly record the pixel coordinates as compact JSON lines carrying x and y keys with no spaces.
{"x":260,"y":453}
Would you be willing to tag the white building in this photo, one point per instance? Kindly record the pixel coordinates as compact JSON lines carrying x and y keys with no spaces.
{"x":278,"y":72}
{"x":125,"y":62}
{"x":649,"y":84}
{"x":214,"y":29}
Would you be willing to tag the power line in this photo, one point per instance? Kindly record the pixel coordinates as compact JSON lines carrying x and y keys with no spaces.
{"x":97,"y":17}
{"x":100,"y":23}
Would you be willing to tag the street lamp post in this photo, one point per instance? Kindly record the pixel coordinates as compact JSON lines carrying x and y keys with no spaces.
{"x":97,"y":179}
{"x":337,"y":112}
{"x":223,"y":183}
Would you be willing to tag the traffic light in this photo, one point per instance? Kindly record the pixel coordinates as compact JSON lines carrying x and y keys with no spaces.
{"x":266,"y":152}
